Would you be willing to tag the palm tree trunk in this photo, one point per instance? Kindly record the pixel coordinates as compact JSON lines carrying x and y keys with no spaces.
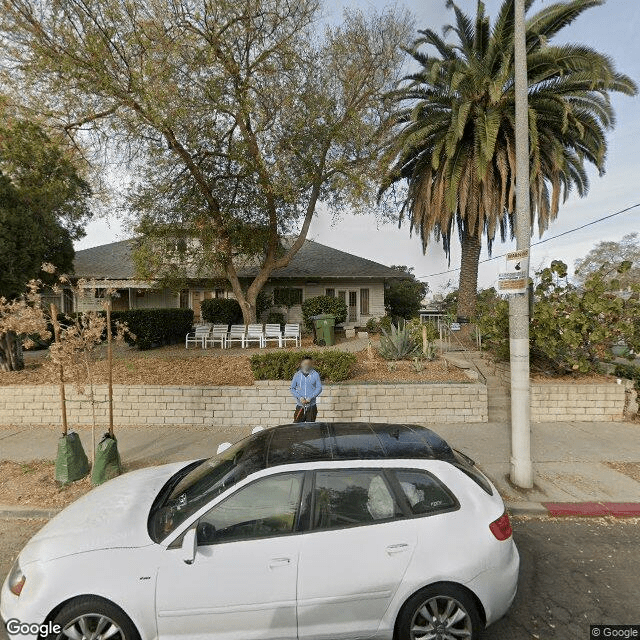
{"x":468,"y":287}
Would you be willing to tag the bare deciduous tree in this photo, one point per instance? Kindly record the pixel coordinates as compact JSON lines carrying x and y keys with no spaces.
{"x":241,"y":117}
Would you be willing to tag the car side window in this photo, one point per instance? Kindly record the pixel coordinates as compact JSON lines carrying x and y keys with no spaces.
{"x":425,"y":494}
{"x":351,"y":497}
{"x":265,"y":508}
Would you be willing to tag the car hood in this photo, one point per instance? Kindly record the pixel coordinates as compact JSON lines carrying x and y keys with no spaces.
{"x":112,"y":515}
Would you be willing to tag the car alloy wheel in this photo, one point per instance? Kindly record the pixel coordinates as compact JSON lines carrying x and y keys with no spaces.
{"x":91,"y":626}
{"x":441,"y":618}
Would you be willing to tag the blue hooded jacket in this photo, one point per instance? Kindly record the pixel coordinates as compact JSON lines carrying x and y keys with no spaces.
{"x":309,"y":386}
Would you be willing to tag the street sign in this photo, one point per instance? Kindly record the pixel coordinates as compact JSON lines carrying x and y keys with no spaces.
{"x":512,"y":283}
{"x":518,"y":262}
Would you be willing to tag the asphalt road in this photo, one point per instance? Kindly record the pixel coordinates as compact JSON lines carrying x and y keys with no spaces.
{"x":573,"y":573}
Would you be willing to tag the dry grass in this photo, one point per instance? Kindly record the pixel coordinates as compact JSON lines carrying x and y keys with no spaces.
{"x":377,"y":369}
{"x":578,"y":378}
{"x":175,"y":365}
{"x":630,"y":469}
{"x":33,"y":484}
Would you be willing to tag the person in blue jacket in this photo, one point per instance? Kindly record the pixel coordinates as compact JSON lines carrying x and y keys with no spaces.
{"x":305,"y":388}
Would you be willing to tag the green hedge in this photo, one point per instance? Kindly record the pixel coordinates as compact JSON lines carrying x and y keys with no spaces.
{"x":155,"y":327}
{"x":335,"y":366}
{"x":221,"y":311}
{"x":323,"y":304}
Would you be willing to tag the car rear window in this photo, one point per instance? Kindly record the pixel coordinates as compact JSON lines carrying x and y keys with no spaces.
{"x":424,"y":493}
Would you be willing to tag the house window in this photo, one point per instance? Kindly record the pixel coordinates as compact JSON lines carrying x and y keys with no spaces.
{"x":288,"y":297}
{"x":99,"y":293}
{"x":364,"y":302}
{"x":330,"y":292}
{"x":219,"y":293}
{"x":184,"y":299}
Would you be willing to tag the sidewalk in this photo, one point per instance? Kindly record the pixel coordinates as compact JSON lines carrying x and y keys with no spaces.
{"x":570,"y":459}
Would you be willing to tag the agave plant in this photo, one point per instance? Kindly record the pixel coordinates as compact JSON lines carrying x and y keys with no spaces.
{"x":398,"y":343}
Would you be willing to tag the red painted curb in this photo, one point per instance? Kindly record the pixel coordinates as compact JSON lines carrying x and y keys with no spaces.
{"x":623,"y":509}
{"x":593,"y":509}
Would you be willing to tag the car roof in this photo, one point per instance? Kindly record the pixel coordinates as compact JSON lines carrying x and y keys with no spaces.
{"x":325,"y":441}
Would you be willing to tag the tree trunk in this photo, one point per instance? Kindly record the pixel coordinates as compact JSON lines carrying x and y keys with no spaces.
{"x":63,"y":398}
{"x":110,"y":366}
{"x":468,"y":287}
{"x":11,"y":357}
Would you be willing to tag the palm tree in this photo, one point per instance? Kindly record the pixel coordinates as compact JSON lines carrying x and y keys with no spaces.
{"x":455,"y":149}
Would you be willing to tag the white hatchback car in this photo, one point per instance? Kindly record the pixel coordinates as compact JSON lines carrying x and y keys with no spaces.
{"x":309,"y":531}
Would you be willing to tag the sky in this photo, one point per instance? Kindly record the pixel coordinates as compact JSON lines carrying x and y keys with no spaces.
{"x":611,"y":29}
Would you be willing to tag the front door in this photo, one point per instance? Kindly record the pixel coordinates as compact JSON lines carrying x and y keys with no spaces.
{"x":355,"y":556}
{"x":242,"y":583}
{"x":350,"y":298}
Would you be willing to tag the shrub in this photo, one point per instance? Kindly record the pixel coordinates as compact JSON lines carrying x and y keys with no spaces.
{"x":629,"y":371}
{"x":373,"y":325}
{"x":276,"y":317}
{"x":221,"y":311}
{"x":398,"y":344}
{"x":335,"y":366}
{"x":572,"y":328}
{"x":324,"y":304}
{"x":154,"y":327}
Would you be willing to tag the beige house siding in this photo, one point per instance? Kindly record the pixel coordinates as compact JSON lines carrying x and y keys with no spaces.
{"x":133,"y":298}
{"x":147,"y":298}
{"x":319,"y":288}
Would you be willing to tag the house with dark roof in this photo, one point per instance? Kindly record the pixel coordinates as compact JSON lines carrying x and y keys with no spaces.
{"x":315,"y":270}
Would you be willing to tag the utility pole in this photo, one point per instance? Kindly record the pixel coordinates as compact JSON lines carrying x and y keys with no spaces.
{"x":521,"y":467}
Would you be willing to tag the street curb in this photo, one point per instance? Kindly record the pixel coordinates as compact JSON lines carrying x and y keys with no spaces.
{"x":15,"y":511}
{"x":526,"y":509}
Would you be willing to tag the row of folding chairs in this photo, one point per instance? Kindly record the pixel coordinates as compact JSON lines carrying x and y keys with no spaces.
{"x":209,"y":335}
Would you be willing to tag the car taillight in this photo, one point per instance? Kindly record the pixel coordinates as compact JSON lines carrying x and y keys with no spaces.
{"x":501,"y":528}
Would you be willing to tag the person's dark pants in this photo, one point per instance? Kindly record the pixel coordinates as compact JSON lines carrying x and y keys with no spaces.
{"x":300,"y":415}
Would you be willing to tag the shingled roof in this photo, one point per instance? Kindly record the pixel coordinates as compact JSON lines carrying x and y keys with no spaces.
{"x":314,"y":260}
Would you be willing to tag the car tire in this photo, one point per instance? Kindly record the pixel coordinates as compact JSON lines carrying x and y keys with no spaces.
{"x":87,"y":613}
{"x":418,"y":615}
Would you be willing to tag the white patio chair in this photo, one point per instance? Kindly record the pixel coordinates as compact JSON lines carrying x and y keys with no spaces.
{"x":273,"y":333}
{"x":237,"y":333}
{"x":198,"y":336}
{"x":255,"y":333}
{"x":291,"y":332}
{"x":218,"y":334}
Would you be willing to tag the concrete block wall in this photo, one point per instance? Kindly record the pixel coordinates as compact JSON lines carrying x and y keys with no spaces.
{"x":570,"y":402}
{"x":267,"y":403}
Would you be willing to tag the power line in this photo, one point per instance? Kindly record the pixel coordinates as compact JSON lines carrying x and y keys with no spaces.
{"x":533,"y":244}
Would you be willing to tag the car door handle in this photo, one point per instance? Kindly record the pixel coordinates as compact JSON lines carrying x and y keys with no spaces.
{"x":279,"y":562}
{"x":397,"y":548}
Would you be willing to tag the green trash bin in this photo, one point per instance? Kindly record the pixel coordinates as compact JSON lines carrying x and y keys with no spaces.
{"x":324,"y":325}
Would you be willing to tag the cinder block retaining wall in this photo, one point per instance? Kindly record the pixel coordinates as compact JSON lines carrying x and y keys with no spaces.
{"x":577,"y":402}
{"x":267,"y":403}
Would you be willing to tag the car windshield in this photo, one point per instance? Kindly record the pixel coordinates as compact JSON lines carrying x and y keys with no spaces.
{"x":184,"y":494}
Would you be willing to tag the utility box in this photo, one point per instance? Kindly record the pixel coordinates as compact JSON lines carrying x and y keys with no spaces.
{"x":324,"y":329}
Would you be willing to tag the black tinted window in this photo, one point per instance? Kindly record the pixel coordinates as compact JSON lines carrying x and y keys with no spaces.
{"x":297,"y":444}
{"x":348,"y":497}
{"x":424,"y":493}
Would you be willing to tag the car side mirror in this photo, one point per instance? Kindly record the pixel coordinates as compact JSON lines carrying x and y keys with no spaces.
{"x":189,"y":546}
{"x":222,"y":447}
